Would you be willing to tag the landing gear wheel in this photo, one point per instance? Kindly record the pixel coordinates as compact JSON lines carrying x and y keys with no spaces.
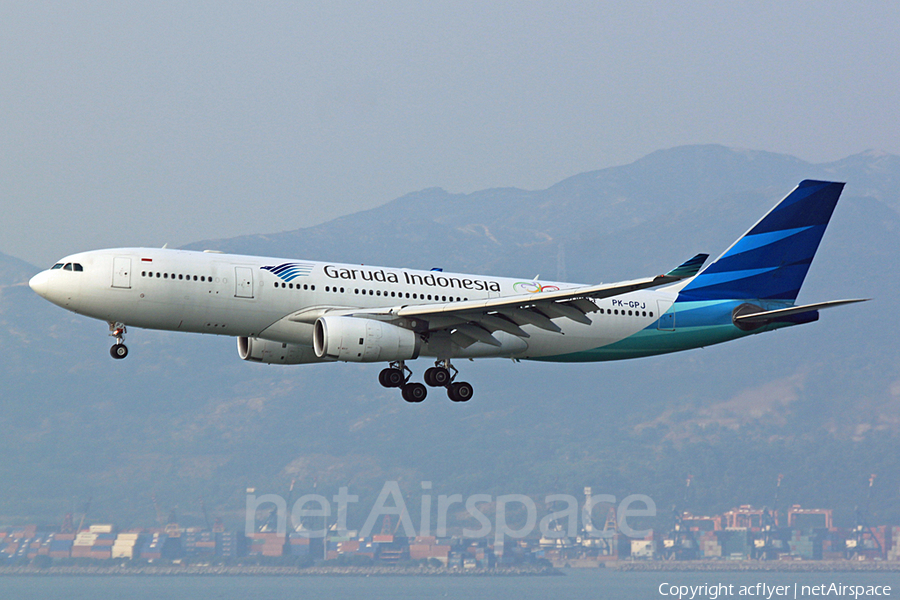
{"x":390,"y":377}
{"x":118,"y":351}
{"x":460,"y":392}
{"x":414,"y":392}
{"x":437,"y":376}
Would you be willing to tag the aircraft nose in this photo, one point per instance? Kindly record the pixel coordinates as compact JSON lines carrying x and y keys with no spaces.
{"x":40,"y":283}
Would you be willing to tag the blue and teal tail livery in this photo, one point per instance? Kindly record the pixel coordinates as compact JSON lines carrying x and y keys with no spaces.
{"x":771,"y":260}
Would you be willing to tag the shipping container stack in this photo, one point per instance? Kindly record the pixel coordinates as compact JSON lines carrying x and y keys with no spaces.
{"x":709,"y":544}
{"x":157,"y":546}
{"x":479,"y":556}
{"x":198,"y":543}
{"x":103,"y":542}
{"x":83,"y":544}
{"x":390,"y":549}
{"x":266,"y":544}
{"x":61,"y":545}
{"x":893,"y":552}
{"x":230,"y":544}
{"x":298,"y":544}
{"x":425,"y":547}
{"x":643,"y":549}
{"x":127,"y":545}
{"x":805,"y":545}
{"x":23,"y":545}
{"x":735,"y":542}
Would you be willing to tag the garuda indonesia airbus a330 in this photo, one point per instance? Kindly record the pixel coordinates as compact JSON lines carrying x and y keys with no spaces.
{"x":286,"y":311}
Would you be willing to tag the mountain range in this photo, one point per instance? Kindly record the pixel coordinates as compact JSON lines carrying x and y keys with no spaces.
{"x":183,"y":418}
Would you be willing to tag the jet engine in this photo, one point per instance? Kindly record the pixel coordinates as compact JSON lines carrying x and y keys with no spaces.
{"x":363,"y":340}
{"x":275,"y":353}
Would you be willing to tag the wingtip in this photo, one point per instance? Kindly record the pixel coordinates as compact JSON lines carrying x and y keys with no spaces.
{"x":688,"y":268}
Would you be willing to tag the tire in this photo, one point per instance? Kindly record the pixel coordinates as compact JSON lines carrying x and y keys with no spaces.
{"x":414,"y":392}
{"x":383,"y":378}
{"x":394,"y":378}
{"x":460,"y":392}
{"x":429,"y":376}
{"x":118,"y":351}
{"x":440,"y":376}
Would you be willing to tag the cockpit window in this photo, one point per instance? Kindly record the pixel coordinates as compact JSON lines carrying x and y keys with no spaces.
{"x":68,"y":267}
{"x":57,"y":266}
{"x":78,"y":266}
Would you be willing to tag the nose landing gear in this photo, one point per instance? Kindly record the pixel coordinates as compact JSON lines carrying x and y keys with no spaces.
{"x":118,"y":350}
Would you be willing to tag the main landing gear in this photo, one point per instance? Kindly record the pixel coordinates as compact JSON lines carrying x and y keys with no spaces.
{"x":118,"y":350}
{"x":398,"y":375}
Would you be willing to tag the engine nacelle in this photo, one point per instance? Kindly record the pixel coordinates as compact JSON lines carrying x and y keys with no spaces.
{"x":275,"y":353}
{"x":363,"y":340}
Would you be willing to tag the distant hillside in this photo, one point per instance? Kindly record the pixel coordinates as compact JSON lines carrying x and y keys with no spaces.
{"x":13,"y":270}
{"x":184,"y":418}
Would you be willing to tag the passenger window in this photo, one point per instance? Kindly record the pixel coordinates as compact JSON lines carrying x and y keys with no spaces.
{"x":342,"y":290}
{"x":180,"y":276}
{"x":143,"y":273}
{"x":165,"y":275}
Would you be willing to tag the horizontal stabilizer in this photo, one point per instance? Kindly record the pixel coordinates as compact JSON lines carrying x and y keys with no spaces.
{"x":772,"y":315}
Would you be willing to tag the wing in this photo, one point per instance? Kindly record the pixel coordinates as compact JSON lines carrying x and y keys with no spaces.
{"x":476,"y":320}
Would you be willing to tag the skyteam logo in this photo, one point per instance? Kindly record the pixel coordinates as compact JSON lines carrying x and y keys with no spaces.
{"x":290,"y":271}
{"x":533,"y":287}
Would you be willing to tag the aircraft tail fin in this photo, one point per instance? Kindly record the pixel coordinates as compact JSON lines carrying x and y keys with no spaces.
{"x":771,"y":260}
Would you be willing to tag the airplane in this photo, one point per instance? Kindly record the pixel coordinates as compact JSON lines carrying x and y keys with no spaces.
{"x":287,"y":311}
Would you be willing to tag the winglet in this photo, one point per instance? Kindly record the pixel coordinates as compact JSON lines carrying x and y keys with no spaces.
{"x":688,"y":268}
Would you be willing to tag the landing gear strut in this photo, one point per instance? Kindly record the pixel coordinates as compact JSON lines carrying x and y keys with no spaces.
{"x":397,"y":375}
{"x":118,"y":350}
{"x":439,"y":376}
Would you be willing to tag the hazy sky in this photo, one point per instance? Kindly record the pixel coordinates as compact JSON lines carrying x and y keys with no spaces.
{"x":144,"y":123}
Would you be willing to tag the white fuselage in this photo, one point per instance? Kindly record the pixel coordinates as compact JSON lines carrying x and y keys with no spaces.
{"x":243,"y":296}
